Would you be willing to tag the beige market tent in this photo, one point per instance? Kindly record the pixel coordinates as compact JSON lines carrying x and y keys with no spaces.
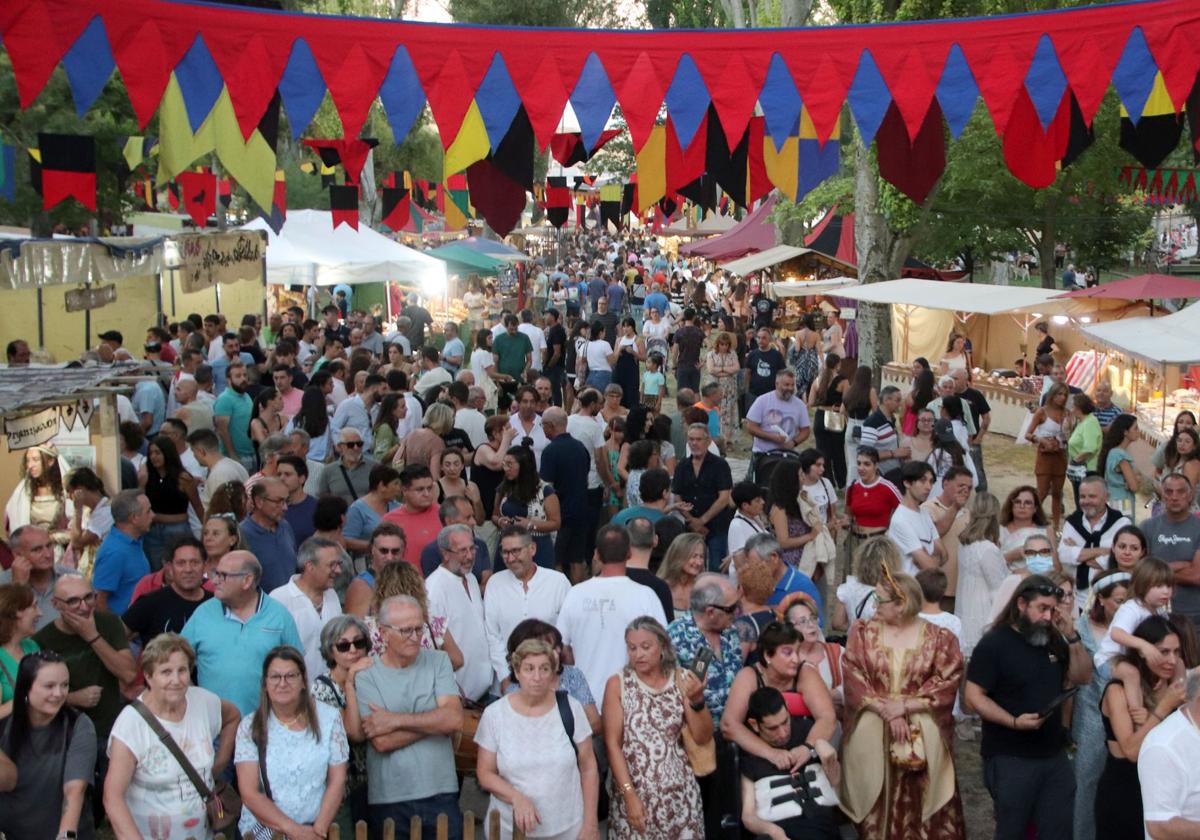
{"x":1169,"y":340}
{"x":925,"y":312}
{"x":803,"y":288}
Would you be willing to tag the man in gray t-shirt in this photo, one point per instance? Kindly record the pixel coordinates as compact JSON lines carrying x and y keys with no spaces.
{"x":1174,"y":536}
{"x":410,"y":760}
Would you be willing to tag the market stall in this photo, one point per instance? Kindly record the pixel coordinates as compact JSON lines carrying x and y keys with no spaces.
{"x":996,"y":320}
{"x":72,"y":410}
{"x":751,"y":235}
{"x":60,"y":293}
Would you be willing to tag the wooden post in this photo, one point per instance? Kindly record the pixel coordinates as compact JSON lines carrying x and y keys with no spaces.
{"x":443,"y":827}
{"x":468,"y":825}
{"x":389,"y":829}
{"x":493,"y":830}
{"x":414,"y":828}
{"x":360,"y":830}
{"x":335,"y":832}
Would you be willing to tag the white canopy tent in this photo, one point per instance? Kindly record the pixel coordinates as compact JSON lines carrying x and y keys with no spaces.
{"x":1169,"y":340}
{"x":802,"y":288}
{"x":310,"y":250}
{"x":975,"y":298}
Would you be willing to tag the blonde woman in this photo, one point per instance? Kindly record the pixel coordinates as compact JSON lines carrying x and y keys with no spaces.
{"x":981,"y":569}
{"x":400,"y":578}
{"x":683,"y":563}
{"x":721,"y":364}
{"x":425,"y":446}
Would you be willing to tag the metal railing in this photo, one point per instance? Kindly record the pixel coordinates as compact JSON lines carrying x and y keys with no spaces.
{"x":490,"y":832}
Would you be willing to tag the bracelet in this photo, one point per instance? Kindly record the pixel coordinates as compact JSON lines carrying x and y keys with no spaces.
{"x":625,"y":788}
{"x":91,"y":640}
{"x":698,"y":707}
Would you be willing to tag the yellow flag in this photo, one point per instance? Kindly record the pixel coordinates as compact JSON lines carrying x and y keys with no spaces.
{"x":782,"y":165}
{"x":652,"y":168}
{"x":470,"y":146}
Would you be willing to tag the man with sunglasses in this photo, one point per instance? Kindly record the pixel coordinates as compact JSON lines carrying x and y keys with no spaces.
{"x":385,"y":546}
{"x":1015,"y":682}
{"x":349,"y":476}
{"x":93,"y":644}
{"x":310,"y":598}
{"x":233,"y":632}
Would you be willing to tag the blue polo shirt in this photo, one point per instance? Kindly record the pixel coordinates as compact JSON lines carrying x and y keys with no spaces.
{"x":794,"y":580}
{"x":274,"y":550}
{"x":659,"y":301}
{"x":120,"y":564}
{"x":230,"y":652}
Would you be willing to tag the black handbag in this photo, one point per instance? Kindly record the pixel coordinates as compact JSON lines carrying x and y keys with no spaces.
{"x":222,"y":803}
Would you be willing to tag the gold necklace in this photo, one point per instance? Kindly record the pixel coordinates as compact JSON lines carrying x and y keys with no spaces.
{"x":288,"y":724}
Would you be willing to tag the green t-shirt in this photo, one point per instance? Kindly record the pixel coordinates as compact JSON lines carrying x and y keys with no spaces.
{"x":86,"y":667}
{"x":238,"y":408}
{"x":510,"y":351}
{"x":8,"y":668}
{"x":1087,"y":437}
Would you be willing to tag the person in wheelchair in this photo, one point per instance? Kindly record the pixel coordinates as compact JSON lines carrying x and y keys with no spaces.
{"x":778,"y":805}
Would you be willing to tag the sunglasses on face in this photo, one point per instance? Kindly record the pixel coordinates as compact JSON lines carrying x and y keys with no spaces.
{"x":344,"y":645}
{"x":353,"y":444}
{"x":727,"y":610}
{"x":1048,"y":590}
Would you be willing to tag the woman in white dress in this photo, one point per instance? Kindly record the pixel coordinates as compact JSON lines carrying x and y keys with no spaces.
{"x":146,"y":791}
{"x":981,"y":569}
{"x":542,"y":778}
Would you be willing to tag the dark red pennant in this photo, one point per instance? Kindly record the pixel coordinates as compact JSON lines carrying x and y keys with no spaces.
{"x":495,"y":196}
{"x":343,"y":204}
{"x":199,"y":195}
{"x":912,"y":167}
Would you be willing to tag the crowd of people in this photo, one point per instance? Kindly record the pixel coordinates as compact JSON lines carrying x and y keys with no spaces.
{"x":349,"y":565}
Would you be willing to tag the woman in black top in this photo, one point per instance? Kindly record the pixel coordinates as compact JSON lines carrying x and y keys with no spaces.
{"x":170,"y":489}
{"x":858,"y":401}
{"x":1118,"y":806}
{"x":825,"y":400}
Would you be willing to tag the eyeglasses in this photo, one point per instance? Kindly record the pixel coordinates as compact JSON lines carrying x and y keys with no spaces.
{"x":231,"y":517}
{"x":344,"y":645}
{"x":280,"y":501}
{"x":388,"y":551}
{"x":1034,"y":552}
{"x":512,"y":552}
{"x":73,"y":603}
{"x":721,"y":607}
{"x":403,"y":632}
{"x":289,"y":677}
{"x":221,"y":577}
{"x":807,"y":621}
{"x":353,"y":444}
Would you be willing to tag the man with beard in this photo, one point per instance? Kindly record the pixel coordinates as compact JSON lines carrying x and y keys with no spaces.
{"x":1015,"y":682}
{"x":1088,"y":533}
{"x":231,"y":416}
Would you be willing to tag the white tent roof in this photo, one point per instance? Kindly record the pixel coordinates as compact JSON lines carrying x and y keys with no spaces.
{"x":1170,"y":339}
{"x":800,"y":288}
{"x":978,"y":298}
{"x":764,"y":259}
{"x":309,"y":249}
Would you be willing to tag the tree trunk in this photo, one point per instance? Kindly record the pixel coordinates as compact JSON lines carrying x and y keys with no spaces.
{"x":1046,"y":244}
{"x":881,"y":255}
{"x":794,"y":12}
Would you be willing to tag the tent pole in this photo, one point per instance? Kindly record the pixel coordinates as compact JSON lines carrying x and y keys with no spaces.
{"x":1164,"y":387}
{"x":41,"y":321}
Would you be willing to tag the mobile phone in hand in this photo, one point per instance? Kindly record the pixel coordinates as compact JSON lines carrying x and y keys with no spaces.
{"x":699,"y":666}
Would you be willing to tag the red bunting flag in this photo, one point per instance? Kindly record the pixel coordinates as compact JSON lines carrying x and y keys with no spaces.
{"x":343,"y":204}
{"x":68,"y":169}
{"x":199,"y":195}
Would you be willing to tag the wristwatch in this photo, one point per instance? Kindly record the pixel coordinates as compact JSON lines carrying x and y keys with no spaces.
{"x":1071,"y":640}
{"x":698,"y":707}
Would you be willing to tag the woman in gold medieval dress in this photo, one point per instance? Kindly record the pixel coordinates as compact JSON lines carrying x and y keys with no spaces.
{"x":901,"y":675}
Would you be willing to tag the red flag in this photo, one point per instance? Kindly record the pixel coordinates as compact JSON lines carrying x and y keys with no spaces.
{"x":397,"y":208}
{"x":68,"y":169}
{"x":351,"y":154}
{"x":199,"y":195}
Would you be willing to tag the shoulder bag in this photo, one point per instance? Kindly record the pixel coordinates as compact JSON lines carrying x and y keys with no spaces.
{"x":222,"y":803}
{"x":702,"y":757}
{"x":568,"y":717}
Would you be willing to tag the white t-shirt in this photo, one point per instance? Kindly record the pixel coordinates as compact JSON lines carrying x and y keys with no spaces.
{"x":534,"y":755}
{"x":472,"y":422}
{"x":590,"y":432}
{"x":222,"y":472}
{"x":1127,"y":617}
{"x":159,"y":790}
{"x":855,"y":594}
{"x":949,"y":621}
{"x":911,"y":530}
{"x":1169,"y":771}
{"x":538,"y":339}
{"x":593,"y":619}
{"x":741,"y":528}
{"x":463,"y":608}
{"x":597,"y":355}
{"x":822,"y":494}
{"x":508,"y":602}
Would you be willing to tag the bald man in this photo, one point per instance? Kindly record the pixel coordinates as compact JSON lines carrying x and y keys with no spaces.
{"x":96,"y":651}
{"x":194,"y":413}
{"x":565,"y":464}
